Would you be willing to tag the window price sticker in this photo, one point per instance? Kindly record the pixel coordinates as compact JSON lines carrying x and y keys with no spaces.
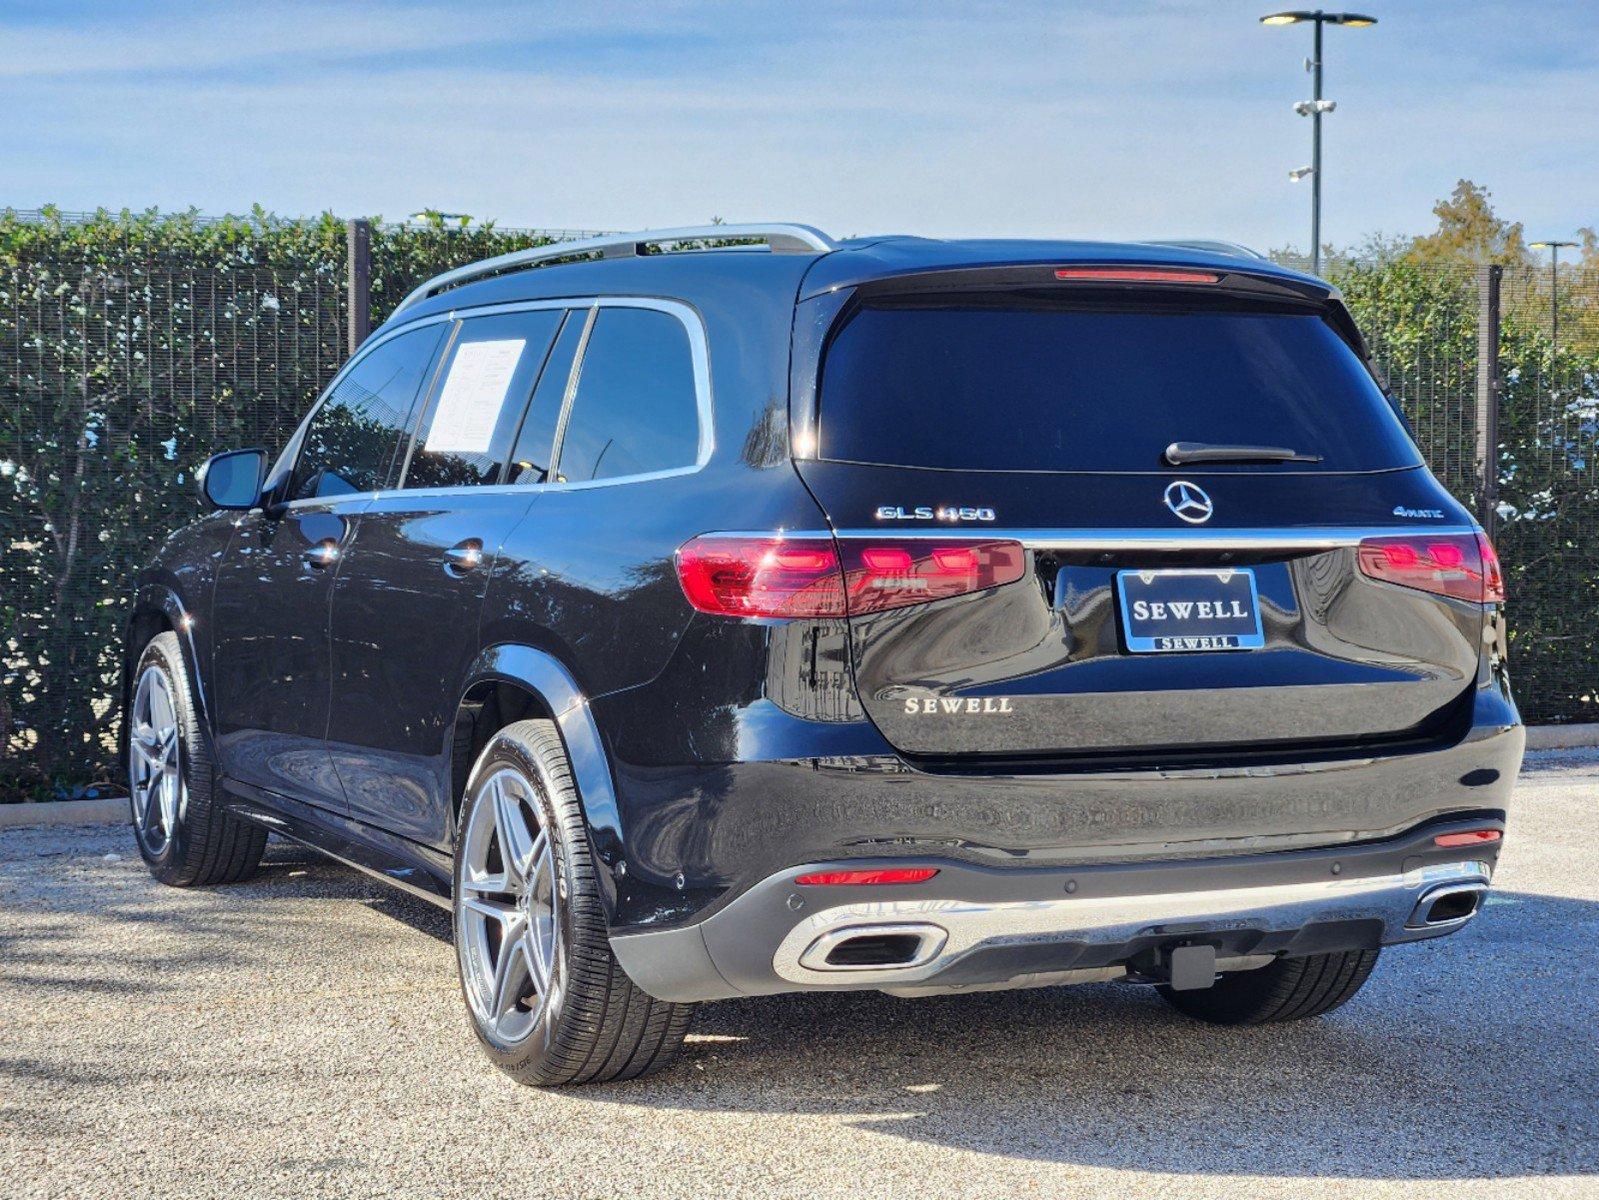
{"x":474,"y":391}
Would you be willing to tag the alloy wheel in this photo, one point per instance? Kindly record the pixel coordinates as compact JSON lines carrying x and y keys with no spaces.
{"x":155,"y":761}
{"x":507,"y":925}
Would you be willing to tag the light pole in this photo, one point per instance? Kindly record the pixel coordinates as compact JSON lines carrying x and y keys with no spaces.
{"x":1554,"y":289}
{"x":1314,"y":108}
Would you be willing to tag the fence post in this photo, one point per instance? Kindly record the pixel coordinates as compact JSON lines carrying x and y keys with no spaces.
{"x":358,"y":280}
{"x":1488,"y":395}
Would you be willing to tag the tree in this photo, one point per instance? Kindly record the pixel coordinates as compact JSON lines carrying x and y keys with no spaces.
{"x":1469,"y":231}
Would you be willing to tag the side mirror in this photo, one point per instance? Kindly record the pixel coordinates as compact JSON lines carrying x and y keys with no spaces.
{"x":232,"y":480}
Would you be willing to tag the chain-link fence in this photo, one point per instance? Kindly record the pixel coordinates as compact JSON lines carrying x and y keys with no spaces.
{"x":133,"y":348}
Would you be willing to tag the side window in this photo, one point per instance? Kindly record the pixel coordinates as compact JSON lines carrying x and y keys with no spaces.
{"x":472,"y":415}
{"x":530,"y":457}
{"x":350,"y":443}
{"x":634,"y":410}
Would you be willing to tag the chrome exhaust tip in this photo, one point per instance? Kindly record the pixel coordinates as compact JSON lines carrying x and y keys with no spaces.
{"x":875,"y":948}
{"x":1447,"y":906}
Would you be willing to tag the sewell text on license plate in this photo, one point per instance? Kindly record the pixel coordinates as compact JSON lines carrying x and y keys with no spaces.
{"x":1171,"y":611}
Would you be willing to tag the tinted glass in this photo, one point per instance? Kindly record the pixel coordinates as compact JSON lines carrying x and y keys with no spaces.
{"x":349,"y":446}
{"x":530,"y":458}
{"x":472,"y":415}
{"x":1079,"y":389}
{"x":634,"y":410}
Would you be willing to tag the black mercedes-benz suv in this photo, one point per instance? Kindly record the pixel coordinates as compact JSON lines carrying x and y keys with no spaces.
{"x":718,"y":612}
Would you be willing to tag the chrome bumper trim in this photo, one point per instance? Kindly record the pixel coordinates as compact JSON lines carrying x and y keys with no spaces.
{"x":969,"y":926}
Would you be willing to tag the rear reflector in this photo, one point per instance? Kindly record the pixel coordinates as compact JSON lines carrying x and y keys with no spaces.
{"x":1461,"y":565}
{"x":1472,"y":837}
{"x":882,"y":875}
{"x":751,"y":575}
{"x":1135,"y":275}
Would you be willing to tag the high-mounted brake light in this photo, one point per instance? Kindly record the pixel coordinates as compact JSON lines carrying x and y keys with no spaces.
{"x":1472,"y":837}
{"x":755,"y":575}
{"x":1461,"y":565}
{"x":881,"y":875}
{"x":1135,"y":275}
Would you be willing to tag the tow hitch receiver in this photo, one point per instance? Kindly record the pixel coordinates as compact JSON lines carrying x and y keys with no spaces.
{"x":1191,"y":967}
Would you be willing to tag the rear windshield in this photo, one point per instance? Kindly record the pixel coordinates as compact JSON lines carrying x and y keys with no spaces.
{"x":981,"y":387}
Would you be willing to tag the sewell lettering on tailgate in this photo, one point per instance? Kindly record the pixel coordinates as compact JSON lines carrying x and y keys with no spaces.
{"x":975,"y":705}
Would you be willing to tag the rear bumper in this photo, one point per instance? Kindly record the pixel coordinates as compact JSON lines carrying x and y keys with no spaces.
{"x":974,"y":927}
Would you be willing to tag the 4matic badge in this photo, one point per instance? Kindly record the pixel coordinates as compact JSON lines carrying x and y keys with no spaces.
{"x":923,"y":512}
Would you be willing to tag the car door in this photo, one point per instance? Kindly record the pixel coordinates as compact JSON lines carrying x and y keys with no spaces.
{"x":270,"y":660}
{"x":588,"y":574}
{"x":405,"y":604}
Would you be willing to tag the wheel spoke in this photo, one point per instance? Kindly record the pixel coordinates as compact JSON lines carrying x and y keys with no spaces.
{"x":504,"y":914}
{"x":516,"y":840}
{"x":538,"y":958}
{"x":489,"y":884}
{"x":169,"y":787}
{"x":512,"y":973}
{"x":152,"y":802}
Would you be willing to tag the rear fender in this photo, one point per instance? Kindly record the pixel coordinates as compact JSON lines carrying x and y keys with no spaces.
{"x":548,"y":679}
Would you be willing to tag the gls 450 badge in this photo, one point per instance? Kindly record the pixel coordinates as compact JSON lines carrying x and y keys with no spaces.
{"x":923,"y":512}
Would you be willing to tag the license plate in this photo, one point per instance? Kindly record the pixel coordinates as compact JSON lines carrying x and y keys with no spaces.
{"x":1177,"y":611}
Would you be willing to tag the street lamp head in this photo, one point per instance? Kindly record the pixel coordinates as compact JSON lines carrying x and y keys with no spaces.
{"x":1551,"y":244}
{"x":1353,"y":20}
{"x":1303,"y":172}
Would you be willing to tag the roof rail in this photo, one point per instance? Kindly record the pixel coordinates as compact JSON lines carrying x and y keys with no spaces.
{"x":780,"y":238}
{"x":1210,"y":244}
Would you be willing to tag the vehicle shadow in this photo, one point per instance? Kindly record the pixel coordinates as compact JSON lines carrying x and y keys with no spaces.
{"x":1476,"y":1056}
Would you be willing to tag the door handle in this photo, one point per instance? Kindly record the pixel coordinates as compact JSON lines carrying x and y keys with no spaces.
{"x":322,"y":555}
{"x":464,"y":557}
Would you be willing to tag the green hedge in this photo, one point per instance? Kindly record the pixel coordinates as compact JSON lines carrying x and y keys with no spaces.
{"x":134,"y":345}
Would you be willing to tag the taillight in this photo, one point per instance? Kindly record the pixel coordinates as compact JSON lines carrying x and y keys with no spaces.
{"x":1463,"y":566}
{"x":1493,"y":579}
{"x":893,"y":574}
{"x":762,"y":576}
{"x":768,"y":576}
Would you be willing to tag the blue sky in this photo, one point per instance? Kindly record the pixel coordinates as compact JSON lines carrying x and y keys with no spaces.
{"x":1062,"y":118}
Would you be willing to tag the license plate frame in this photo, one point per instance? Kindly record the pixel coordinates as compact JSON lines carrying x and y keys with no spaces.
{"x":1192,"y":632}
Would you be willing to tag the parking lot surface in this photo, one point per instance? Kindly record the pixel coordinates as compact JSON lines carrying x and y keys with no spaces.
{"x":302,"y":1035}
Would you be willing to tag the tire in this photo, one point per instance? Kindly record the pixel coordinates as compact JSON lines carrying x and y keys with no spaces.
{"x":184,"y":835}
{"x":1290,"y":989}
{"x":546,"y":997}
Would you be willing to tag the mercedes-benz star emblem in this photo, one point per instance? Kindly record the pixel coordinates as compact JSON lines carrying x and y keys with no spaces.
{"x":1189,"y":502}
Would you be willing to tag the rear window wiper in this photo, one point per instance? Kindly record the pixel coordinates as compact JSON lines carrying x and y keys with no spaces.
{"x":1179,"y":453}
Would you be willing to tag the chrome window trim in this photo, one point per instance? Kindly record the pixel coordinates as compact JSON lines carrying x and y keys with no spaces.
{"x":699,"y":354}
{"x":1134,"y":539}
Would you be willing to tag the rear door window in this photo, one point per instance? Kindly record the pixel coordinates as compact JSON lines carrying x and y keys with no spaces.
{"x":635,"y":410}
{"x":535,"y":441}
{"x":483,"y":385}
{"x":351,"y":440}
{"x":989,"y":386}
